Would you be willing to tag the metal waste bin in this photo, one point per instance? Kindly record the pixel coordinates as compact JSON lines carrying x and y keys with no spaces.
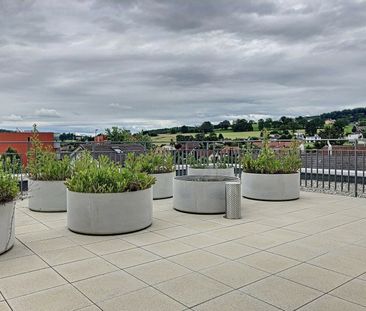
{"x":233,"y":200}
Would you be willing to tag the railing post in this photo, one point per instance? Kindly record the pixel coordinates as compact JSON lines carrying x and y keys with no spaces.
{"x":356,"y":168}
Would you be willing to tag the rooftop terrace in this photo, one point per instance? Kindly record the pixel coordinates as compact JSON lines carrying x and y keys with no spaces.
{"x":308,"y":254}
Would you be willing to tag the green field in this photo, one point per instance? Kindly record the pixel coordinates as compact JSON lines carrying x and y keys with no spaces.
{"x":229,"y":134}
{"x":233,"y":135}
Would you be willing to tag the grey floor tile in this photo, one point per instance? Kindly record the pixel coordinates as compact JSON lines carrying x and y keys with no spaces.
{"x":142,"y":300}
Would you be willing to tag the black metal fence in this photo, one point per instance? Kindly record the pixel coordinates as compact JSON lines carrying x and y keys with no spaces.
{"x":333,"y":169}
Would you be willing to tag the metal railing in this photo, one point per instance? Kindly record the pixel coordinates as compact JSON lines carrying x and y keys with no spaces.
{"x":334,"y":169}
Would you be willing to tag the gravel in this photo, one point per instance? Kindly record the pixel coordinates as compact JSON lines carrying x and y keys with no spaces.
{"x":333,"y":189}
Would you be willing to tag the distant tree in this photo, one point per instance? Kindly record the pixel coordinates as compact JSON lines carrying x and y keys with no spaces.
{"x":311,"y":128}
{"x":173,"y":130}
{"x":339,"y":126}
{"x":200,"y":136}
{"x":67,"y":136}
{"x":211,"y":137}
{"x":292,"y":125}
{"x":335,"y":131}
{"x":276,"y":124}
{"x":285,"y":135}
{"x":242,"y":125}
{"x":268,"y":123}
{"x":206,"y":127}
{"x":354,"y":129}
{"x":224,"y":124}
{"x":221,"y":137}
{"x":284,"y":120}
{"x":319,"y":123}
{"x":184,"y":129}
{"x":260,"y":124}
{"x":143,"y":138}
{"x":87,"y":138}
{"x":184,"y":138}
{"x":117,"y":134}
{"x":301,"y":121}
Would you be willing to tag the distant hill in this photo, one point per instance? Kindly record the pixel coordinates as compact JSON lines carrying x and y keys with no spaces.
{"x":346,"y":115}
{"x":6,"y":131}
{"x":351,"y":115}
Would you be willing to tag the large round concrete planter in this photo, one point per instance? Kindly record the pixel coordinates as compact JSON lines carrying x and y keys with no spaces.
{"x":47,"y":196}
{"x":211,"y":171}
{"x":163,"y":187}
{"x":200,"y":194}
{"x":109,"y":213}
{"x":271,"y":187}
{"x":7,"y":226}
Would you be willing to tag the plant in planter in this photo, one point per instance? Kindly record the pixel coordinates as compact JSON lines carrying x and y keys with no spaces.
{"x":9,"y":190}
{"x":217,"y":166}
{"x":104,"y":198}
{"x":272,"y":175}
{"x":48,"y":175}
{"x":161,"y":166}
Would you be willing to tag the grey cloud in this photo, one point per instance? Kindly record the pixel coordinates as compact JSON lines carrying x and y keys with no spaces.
{"x":81,"y":65}
{"x":47,"y":113}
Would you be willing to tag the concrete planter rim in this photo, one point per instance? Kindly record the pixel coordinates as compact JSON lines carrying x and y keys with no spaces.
{"x":161,"y":173}
{"x":205,"y":178}
{"x":96,"y":193}
{"x":44,"y":180}
{"x":275,"y":174}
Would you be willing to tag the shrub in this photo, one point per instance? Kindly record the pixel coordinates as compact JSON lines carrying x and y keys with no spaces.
{"x":11,"y":158}
{"x":105,"y":176}
{"x":284,"y":161}
{"x":152,"y":162}
{"x":9,"y":188}
{"x":44,"y":165}
{"x":219,"y":162}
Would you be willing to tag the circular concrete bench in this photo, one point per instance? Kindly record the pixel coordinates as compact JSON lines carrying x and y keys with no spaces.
{"x":200,"y":194}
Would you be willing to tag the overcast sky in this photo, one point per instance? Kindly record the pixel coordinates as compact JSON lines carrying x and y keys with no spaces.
{"x":84,"y":65}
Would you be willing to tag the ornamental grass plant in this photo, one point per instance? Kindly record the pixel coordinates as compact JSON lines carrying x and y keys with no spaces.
{"x":44,"y":165}
{"x":9,"y":188}
{"x":154,"y":162}
{"x":102,"y":175}
{"x":286,"y":160}
{"x":205,"y":162}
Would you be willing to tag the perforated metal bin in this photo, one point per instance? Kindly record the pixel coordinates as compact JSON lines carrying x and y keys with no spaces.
{"x":233,"y":200}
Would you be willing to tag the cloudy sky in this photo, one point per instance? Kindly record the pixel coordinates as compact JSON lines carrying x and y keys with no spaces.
{"x":90,"y":64}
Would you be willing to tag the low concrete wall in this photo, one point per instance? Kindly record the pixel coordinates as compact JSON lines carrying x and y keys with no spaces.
{"x":7,"y":226}
{"x":47,"y":196}
{"x":271,"y":187}
{"x":163,"y":187}
{"x":109,"y":213}
{"x":200,"y":194}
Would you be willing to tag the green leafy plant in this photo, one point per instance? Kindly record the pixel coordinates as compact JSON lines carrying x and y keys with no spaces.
{"x":204,"y":162}
{"x":12,"y":161}
{"x":151,"y":163}
{"x":268,"y":161}
{"x":44,"y":165}
{"x":105,"y":176}
{"x":9,"y":188}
